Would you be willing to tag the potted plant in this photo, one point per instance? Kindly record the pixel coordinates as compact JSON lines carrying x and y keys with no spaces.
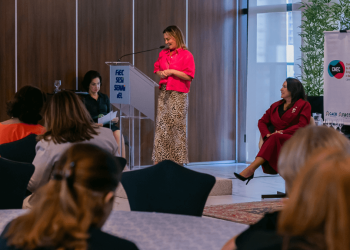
{"x":319,"y":16}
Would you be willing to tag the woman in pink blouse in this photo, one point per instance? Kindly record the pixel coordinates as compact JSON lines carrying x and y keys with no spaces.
{"x":175,"y":67}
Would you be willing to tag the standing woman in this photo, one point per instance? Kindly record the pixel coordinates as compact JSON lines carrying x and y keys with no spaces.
{"x":98,"y":104}
{"x":175,"y":67}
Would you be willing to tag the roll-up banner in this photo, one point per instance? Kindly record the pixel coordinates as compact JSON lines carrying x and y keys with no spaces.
{"x":337,"y":76}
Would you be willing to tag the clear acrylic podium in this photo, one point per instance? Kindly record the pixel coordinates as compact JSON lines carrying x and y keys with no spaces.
{"x":132,"y":94}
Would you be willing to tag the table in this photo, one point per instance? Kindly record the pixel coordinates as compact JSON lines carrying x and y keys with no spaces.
{"x":158,"y":231}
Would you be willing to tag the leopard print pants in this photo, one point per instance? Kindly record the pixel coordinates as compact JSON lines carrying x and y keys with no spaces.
{"x":170,"y":141}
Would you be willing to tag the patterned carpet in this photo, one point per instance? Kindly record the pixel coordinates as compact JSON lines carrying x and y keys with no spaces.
{"x":245,"y":213}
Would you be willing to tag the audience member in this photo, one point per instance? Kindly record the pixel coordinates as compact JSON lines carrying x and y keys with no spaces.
{"x":98,"y":104}
{"x":317,"y":214}
{"x":72,"y":207}
{"x":24,"y":110}
{"x":66,"y":121}
{"x":304,"y":143}
{"x":293,"y":156}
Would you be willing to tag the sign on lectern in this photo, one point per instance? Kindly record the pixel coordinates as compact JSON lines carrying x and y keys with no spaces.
{"x":132,"y":92}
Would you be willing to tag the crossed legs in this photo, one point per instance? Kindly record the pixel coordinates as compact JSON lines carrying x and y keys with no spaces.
{"x":248,"y":171}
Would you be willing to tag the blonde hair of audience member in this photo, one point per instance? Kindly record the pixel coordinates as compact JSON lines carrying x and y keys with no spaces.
{"x":303,"y":143}
{"x":79,"y":196}
{"x":319,"y":204}
{"x":67,"y":120}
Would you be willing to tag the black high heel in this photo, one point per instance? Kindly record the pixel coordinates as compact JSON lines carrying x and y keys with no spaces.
{"x":240,"y":177}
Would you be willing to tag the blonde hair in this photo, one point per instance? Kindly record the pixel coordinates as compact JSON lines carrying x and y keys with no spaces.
{"x":175,"y":32}
{"x":303,"y":143}
{"x":70,"y":203}
{"x":67,"y":119}
{"x":319,"y":202}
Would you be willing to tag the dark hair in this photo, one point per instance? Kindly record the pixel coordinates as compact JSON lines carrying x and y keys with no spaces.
{"x":70,"y":203}
{"x":67,"y":120}
{"x":295,"y":87}
{"x":88,"y":77}
{"x":175,"y":32}
{"x":27,"y":105}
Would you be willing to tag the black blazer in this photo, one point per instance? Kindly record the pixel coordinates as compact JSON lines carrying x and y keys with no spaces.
{"x":263,"y":236}
{"x":98,"y":241}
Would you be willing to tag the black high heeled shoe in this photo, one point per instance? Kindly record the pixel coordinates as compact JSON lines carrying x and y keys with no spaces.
{"x":240,"y":177}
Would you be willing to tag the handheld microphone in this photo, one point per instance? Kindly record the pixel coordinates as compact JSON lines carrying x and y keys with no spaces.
{"x":160,"y":47}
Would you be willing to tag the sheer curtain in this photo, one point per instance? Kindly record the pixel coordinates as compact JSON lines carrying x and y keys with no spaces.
{"x":273,"y":55}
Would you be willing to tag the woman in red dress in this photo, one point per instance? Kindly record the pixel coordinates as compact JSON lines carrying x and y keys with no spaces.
{"x":277,"y":125}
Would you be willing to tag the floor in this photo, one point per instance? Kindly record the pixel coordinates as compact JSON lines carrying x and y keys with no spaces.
{"x":261,"y":184}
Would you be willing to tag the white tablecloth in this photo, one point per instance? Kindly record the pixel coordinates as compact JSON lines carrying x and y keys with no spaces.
{"x":157,"y":231}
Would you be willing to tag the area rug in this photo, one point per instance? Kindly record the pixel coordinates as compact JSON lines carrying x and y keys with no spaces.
{"x":245,"y":213}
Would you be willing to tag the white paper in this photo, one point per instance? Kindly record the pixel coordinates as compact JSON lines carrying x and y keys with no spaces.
{"x":107,"y":118}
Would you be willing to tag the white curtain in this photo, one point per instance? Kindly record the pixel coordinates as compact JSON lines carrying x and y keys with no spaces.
{"x":273,"y":55}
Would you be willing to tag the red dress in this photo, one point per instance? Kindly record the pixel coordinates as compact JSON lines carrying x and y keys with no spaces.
{"x":294,"y":118}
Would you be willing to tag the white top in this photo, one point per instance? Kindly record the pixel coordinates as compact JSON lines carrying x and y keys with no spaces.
{"x":47,"y":153}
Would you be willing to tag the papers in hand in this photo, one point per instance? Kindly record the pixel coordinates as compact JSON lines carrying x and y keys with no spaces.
{"x":107,"y":118}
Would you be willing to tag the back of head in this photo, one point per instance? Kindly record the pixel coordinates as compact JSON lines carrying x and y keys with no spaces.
{"x":320,"y":200}
{"x":88,"y":77}
{"x":67,"y":120}
{"x":27,"y":105}
{"x":71,"y":203}
{"x":304,"y":142}
{"x":175,"y":32}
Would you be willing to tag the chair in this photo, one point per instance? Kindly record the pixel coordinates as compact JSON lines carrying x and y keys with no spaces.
{"x":167,"y":188}
{"x":279,"y":194}
{"x":121,"y":163}
{"x":14,"y":178}
{"x":22,"y":150}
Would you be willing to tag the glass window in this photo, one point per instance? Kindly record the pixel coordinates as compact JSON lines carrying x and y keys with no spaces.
{"x":271,"y":2}
{"x":273,"y":55}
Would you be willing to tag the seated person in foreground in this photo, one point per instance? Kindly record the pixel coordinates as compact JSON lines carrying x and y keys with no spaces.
{"x":24,"y":110}
{"x":284,"y":118}
{"x":98,"y":104}
{"x":66,"y":121}
{"x":72,"y":206}
{"x":294,"y":154}
{"x":316,"y":216}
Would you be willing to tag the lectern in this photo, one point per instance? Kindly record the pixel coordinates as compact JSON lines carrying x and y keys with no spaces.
{"x":132,"y":92}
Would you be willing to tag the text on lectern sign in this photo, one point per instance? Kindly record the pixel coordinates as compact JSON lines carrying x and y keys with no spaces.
{"x":120,"y":84}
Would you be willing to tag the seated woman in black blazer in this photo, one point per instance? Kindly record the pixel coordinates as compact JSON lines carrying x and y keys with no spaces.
{"x":98,"y":104}
{"x":72,"y":207}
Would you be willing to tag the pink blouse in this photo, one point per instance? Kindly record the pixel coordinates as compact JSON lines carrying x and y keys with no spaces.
{"x":181,"y":60}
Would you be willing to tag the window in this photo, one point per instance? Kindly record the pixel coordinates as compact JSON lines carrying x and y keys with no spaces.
{"x":273,"y":55}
